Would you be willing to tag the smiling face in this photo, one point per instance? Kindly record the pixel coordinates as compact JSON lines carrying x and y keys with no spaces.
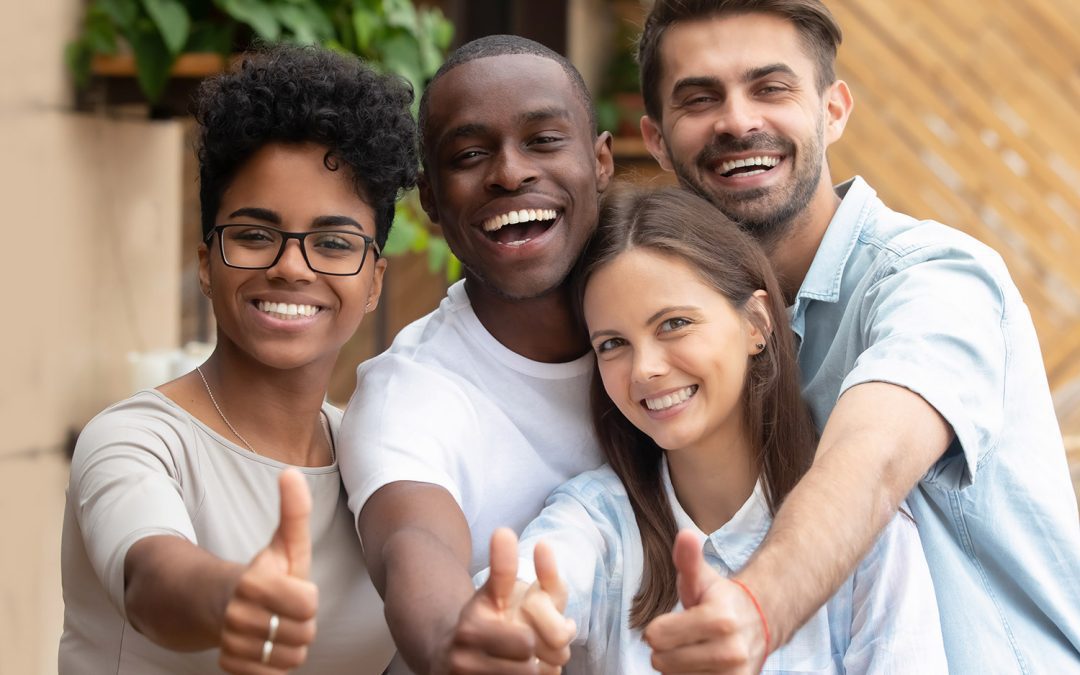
{"x":288,"y":316}
{"x":743,"y":123}
{"x":672,"y":351}
{"x":513,"y":171}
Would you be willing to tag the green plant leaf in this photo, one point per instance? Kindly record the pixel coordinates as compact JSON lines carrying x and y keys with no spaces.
{"x":453,"y":268}
{"x":366,"y":23}
{"x":122,"y":13}
{"x":402,"y":234}
{"x":99,"y":35}
{"x":401,"y":14}
{"x":400,"y":54}
{"x":172,"y":22}
{"x":307,"y":22}
{"x":211,"y":37}
{"x":152,"y":59}
{"x":77,"y":56}
{"x":438,"y":254}
{"x":255,"y":13}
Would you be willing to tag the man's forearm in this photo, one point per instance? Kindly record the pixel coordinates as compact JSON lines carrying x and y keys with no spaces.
{"x":866,"y":465}
{"x":815,"y":543}
{"x":426,"y":587}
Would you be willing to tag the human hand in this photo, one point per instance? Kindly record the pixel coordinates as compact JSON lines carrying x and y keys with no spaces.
{"x":507,"y":626}
{"x":719,"y":631}
{"x":274,"y":584}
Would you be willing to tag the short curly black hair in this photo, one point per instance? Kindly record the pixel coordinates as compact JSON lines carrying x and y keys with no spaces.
{"x":303,"y":94}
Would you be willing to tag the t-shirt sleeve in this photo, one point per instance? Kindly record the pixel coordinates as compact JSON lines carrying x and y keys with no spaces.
{"x":933,"y":323}
{"x":405,"y":422}
{"x":125,"y":485}
{"x":895,"y":626}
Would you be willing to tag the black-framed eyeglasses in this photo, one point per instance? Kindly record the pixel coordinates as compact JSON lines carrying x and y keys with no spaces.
{"x":258,"y":247}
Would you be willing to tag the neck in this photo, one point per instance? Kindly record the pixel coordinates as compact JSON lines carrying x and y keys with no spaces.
{"x":714,"y":478}
{"x":277,"y":411}
{"x":792,"y":255}
{"x":541,"y":329}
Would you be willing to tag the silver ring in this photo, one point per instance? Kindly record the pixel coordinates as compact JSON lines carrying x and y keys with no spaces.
{"x":268,"y":647}
{"x":275,"y":621}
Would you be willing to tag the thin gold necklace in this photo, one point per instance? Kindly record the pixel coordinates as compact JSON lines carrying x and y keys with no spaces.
{"x":326,"y":431}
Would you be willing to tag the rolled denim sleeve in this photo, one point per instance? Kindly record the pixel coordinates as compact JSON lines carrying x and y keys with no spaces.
{"x":932,"y":322}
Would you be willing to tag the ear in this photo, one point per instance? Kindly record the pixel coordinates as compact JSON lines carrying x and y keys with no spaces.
{"x":605,"y":162}
{"x":654,"y":142}
{"x":838,"y":106}
{"x":204,"y":269}
{"x":375,"y":292}
{"x":427,"y":198}
{"x":758,"y":322}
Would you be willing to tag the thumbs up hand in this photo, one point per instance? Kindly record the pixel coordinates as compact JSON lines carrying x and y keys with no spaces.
{"x":719,"y":629}
{"x":508,"y":626}
{"x":275,"y":584}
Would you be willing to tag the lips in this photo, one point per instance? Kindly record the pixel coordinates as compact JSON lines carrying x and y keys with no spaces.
{"x":515,"y":228}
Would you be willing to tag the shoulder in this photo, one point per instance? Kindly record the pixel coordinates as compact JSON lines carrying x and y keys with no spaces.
{"x":900,"y":243}
{"x":146,"y":419}
{"x":599,"y":491}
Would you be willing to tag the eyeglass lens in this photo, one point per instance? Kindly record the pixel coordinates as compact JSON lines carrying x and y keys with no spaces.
{"x":329,"y":252}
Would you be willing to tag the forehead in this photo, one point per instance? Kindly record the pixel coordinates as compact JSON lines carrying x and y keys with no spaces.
{"x":497,"y":90}
{"x":730,"y":45}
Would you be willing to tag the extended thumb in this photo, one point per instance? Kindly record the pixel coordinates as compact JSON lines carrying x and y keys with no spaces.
{"x":504,"y":563}
{"x":691,"y":566}
{"x":293,"y":536}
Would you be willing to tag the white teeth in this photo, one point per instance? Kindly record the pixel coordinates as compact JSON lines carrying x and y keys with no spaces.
{"x":749,"y":161}
{"x":668,"y":400}
{"x":515,"y":217}
{"x":284,"y":310}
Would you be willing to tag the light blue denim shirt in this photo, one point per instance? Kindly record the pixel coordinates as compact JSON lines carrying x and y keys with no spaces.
{"x":926,"y":307}
{"x":883,"y":620}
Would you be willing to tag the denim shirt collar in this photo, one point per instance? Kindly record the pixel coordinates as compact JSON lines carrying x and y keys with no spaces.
{"x":823,"y":279}
{"x":737,"y":539}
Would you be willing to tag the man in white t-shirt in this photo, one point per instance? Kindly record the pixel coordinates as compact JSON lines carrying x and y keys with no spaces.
{"x":481,"y":408}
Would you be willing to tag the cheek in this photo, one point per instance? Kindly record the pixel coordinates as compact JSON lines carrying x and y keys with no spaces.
{"x":616,"y":381}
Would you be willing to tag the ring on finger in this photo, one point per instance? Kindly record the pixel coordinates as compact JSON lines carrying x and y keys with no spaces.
{"x":275,"y":621}
{"x":268,"y":647}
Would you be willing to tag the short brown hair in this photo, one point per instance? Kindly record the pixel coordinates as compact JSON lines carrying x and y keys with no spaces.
{"x":820,"y":33}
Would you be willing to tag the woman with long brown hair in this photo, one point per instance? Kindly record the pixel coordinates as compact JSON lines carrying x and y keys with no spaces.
{"x":696,"y":402}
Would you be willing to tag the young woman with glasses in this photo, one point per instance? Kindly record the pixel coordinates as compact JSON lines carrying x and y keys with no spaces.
{"x":205,"y":525}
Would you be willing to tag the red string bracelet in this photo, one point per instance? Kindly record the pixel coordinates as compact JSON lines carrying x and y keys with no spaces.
{"x":764,"y":623}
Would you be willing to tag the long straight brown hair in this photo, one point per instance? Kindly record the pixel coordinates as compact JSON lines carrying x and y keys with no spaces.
{"x":676,"y":223}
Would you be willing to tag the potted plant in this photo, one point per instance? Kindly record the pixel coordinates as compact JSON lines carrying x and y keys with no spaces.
{"x":165,"y":41}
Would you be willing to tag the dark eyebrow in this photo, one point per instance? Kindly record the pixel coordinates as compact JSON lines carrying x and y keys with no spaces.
{"x":751,"y":75}
{"x":771,"y":69}
{"x":463,"y":131}
{"x":336,"y":221}
{"x":601,"y":333}
{"x":258,"y":214}
{"x":662,"y":312}
{"x":696,"y":81}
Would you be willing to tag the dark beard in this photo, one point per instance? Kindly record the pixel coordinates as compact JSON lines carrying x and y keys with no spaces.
{"x":771,"y":226}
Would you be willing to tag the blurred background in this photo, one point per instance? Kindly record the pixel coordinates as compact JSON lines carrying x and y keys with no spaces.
{"x":967,"y":112}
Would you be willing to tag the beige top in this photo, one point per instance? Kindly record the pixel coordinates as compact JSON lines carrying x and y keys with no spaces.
{"x":146,"y":467}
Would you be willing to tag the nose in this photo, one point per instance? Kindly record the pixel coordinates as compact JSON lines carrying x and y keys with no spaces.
{"x":291,"y":265}
{"x":738,"y":116}
{"x":510,"y":170}
{"x":649,"y":362}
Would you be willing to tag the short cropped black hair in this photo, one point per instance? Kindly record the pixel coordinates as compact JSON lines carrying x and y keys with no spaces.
{"x":296,"y":94}
{"x":503,"y":45}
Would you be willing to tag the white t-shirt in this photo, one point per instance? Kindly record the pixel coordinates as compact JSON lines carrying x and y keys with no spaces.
{"x":448,"y":404}
{"x":146,"y":467}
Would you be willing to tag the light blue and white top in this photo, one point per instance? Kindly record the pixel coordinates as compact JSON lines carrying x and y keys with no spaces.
{"x":884,"y":618}
{"x":915,"y":303}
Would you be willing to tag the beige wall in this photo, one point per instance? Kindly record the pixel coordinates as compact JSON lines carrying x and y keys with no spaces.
{"x":91,"y":272}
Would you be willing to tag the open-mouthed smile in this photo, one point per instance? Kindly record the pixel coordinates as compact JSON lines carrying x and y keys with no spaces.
{"x":515,"y":228}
